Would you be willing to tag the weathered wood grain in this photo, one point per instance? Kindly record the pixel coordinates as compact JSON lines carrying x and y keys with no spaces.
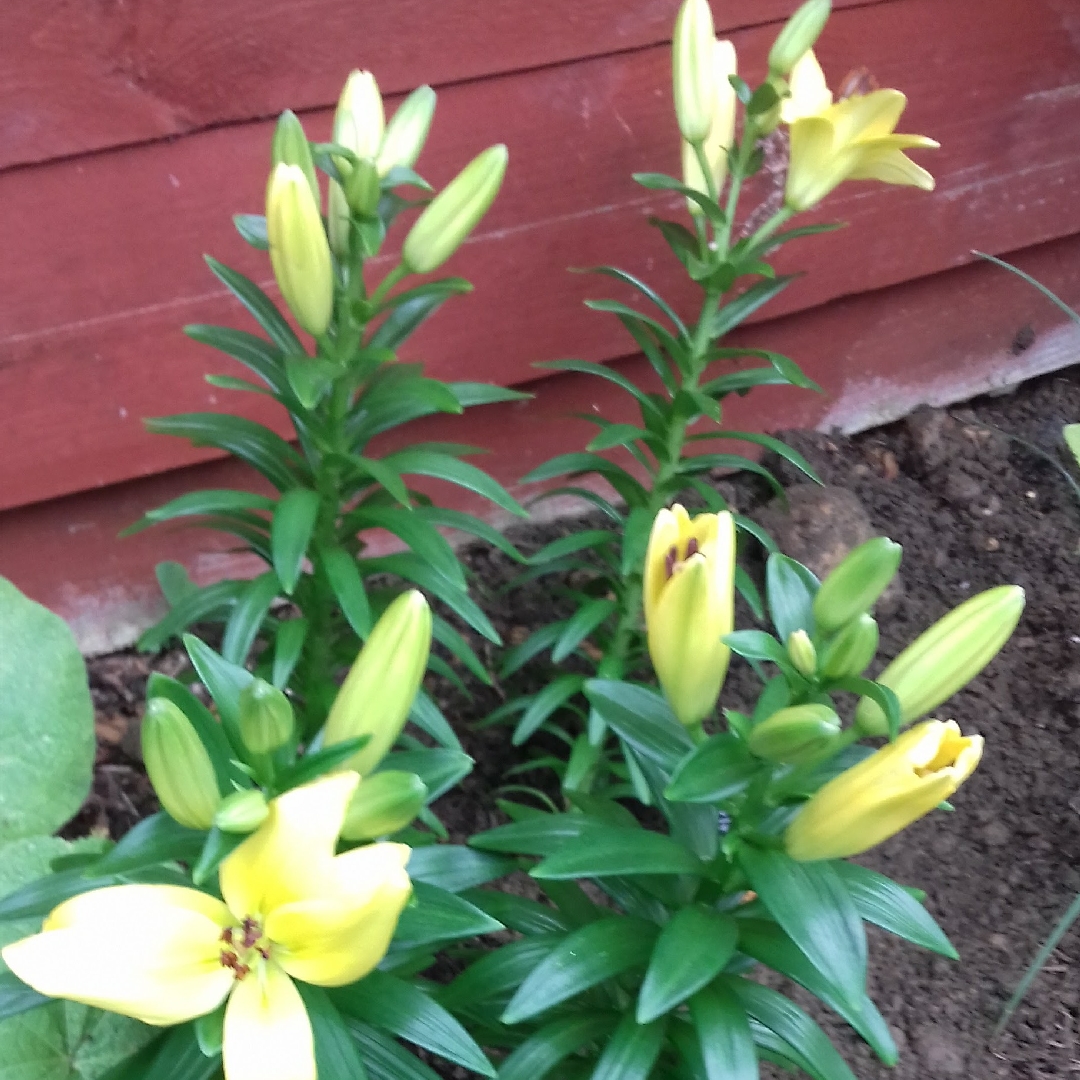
{"x":78,"y":76}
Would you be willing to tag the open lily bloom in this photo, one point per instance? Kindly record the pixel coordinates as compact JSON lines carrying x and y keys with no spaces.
{"x":852,"y":139}
{"x":292,"y":909}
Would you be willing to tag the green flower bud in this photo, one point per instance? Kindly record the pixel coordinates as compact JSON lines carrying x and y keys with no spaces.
{"x":850,"y":652}
{"x":299,"y":250}
{"x":856,"y":584}
{"x":266,"y":717}
{"x":798,"y":36}
{"x":290,"y":146}
{"x":802,"y":652}
{"x":692,"y":69}
{"x":454,"y":212}
{"x":178,"y":765}
{"x":379,"y":690}
{"x":796,"y":734}
{"x":407,"y":131}
{"x":242,"y":811}
{"x":946,"y":657}
{"x":383,"y":803}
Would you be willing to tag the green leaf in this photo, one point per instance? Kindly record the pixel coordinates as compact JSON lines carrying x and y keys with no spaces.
{"x":603,"y":850}
{"x":643,"y":718}
{"x":416,"y":533}
{"x":385,"y":1058}
{"x":255,"y":353}
{"x":197,"y":606}
{"x":469,"y":394}
{"x":16,"y":997}
{"x":458,"y":647}
{"x":647,"y":291}
{"x":348,"y":586}
{"x":455,"y":868}
{"x":438,"y":915}
{"x":553,"y":1043}
{"x":315,"y":763}
{"x":288,"y":646}
{"x":290,"y":533}
{"x":439,"y":769}
{"x":539,"y":835}
{"x":428,"y":717}
{"x":471,"y":525}
{"x":310,"y":378}
{"x":337,"y":1057}
{"x":790,"y":589}
{"x":597,"y":951}
{"x":758,"y":645}
{"x":154,"y":840}
{"x":210,"y":1031}
{"x":224,"y":681}
{"x":546,"y":702}
{"x":815,"y":909}
{"x":602,"y":371}
{"x":413,"y":308}
{"x":517,"y":657}
{"x":199,"y":503}
{"x":248,"y":616}
{"x":218,"y":847}
{"x":264,"y":450}
{"x":720,"y":768}
{"x":884,"y":903}
{"x":660,"y":182}
{"x":745,"y":304}
{"x":766,"y":942}
{"x":259,"y":305}
{"x":592,"y":614}
{"x":816,"y":1055}
{"x":631,"y":1051}
{"x":580,"y":462}
{"x":389,"y":1003}
{"x":394,"y":396}
{"x":777,"y":446}
{"x":786,"y":370}
{"x":252,"y":229}
{"x":882,"y":696}
{"x":496,"y":974}
{"x":46,"y":719}
{"x":723,"y":1031}
{"x":692,"y":949}
{"x":417,"y":461}
{"x":518,"y":913}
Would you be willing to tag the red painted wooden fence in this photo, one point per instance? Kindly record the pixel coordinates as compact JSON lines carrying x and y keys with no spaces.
{"x":130,"y":134}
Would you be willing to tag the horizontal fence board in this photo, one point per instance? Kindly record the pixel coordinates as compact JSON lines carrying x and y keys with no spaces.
{"x":79,"y":77}
{"x":876,"y":355}
{"x":103,"y":259}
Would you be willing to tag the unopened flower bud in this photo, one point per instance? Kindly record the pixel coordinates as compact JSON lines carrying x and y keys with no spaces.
{"x":379,"y":690}
{"x":359,"y":120}
{"x":384,"y":803}
{"x":290,"y":146}
{"x":299,"y":251}
{"x":454,"y":212}
{"x":850,"y":652}
{"x":178,"y":765}
{"x":242,"y":811}
{"x":693,"y":71}
{"x":407,"y":131}
{"x":796,"y":734}
{"x":802,"y":652}
{"x":799,"y":34}
{"x":857,"y":582}
{"x":946,"y":657}
{"x":266,"y":717}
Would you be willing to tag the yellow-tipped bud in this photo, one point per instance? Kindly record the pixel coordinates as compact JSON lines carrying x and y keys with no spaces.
{"x":290,"y":146}
{"x":693,"y":69}
{"x":384,"y":803}
{"x":798,"y":36}
{"x":358,"y":126}
{"x":796,"y":734}
{"x":440,"y":230}
{"x":379,"y":690}
{"x":856,"y":584}
{"x":266,"y":717}
{"x":299,"y":251}
{"x":884,"y":793}
{"x":407,"y":131}
{"x":802,"y":652}
{"x":178,"y":765}
{"x":721,"y":135}
{"x":850,"y":652}
{"x":946,"y":657}
{"x":242,"y":811}
{"x":688,"y":594}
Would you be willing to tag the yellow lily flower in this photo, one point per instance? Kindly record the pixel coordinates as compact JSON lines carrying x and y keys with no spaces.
{"x":852,"y":139}
{"x":884,"y":793}
{"x":688,"y":594}
{"x":292,"y":909}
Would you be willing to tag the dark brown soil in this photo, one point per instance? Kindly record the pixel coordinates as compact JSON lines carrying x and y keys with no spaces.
{"x":972,"y":508}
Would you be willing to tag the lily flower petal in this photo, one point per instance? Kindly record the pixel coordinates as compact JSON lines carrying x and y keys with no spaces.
{"x":288,"y":857}
{"x":810,"y":93}
{"x":267,"y":1033}
{"x":867,"y":116}
{"x":889,"y":164}
{"x":163,"y":967}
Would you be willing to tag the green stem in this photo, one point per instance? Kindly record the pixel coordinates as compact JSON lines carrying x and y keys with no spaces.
{"x":387,"y":284}
{"x":746,"y":148}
